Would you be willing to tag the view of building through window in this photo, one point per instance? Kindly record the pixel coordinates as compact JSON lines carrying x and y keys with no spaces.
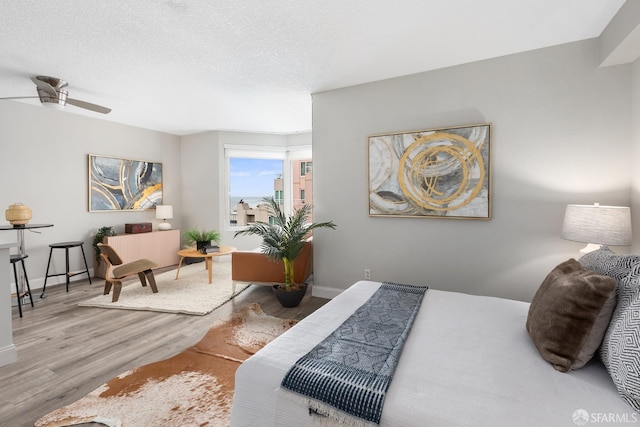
{"x":251,"y":180}
{"x":302,"y":183}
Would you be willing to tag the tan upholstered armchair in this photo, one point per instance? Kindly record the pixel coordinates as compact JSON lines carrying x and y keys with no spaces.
{"x":254,"y":267}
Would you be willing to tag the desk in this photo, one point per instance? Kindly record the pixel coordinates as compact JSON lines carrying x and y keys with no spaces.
{"x":21,"y":246}
{"x":208,"y":258}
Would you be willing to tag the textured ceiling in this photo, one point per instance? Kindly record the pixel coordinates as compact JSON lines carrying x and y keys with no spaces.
{"x":186,"y":66}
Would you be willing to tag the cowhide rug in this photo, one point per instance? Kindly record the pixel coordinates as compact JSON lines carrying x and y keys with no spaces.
{"x":193,"y":388}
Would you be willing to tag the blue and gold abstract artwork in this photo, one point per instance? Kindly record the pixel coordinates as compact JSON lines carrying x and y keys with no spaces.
{"x":122,"y":184}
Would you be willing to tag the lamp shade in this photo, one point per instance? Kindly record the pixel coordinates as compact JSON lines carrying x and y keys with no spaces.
{"x":601,"y":225}
{"x":164,"y":211}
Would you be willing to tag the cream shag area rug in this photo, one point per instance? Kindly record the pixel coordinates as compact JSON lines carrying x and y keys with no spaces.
{"x":193,"y":388}
{"x":190,"y":294}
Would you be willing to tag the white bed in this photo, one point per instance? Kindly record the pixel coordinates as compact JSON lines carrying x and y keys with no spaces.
{"x":468,"y":361}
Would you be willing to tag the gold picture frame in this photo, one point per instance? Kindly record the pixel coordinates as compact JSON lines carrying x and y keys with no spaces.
{"x":434,"y":173}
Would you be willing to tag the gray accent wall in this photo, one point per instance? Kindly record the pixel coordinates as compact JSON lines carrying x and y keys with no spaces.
{"x":562,"y":133}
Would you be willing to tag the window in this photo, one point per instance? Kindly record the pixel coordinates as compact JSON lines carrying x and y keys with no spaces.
{"x":305,"y":168}
{"x":250,"y":181}
{"x":279,"y":197}
{"x":303,"y":184}
{"x":254,"y":173}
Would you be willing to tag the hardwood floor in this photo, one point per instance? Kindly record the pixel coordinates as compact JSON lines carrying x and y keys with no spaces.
{"x":66,"y":351}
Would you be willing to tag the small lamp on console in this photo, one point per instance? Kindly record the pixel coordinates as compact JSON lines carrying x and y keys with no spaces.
{"x":164,"y":212}
{"x":597,"y":225}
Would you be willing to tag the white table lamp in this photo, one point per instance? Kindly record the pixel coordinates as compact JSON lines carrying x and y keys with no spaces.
{"x":164,"y":212}
{"x":597,"y":225}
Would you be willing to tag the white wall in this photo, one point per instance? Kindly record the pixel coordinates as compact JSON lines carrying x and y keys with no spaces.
{"x":199,"y":166}
{"x":561,"y":134}
{"x":635,"y":156}
{"x":44,"y":164}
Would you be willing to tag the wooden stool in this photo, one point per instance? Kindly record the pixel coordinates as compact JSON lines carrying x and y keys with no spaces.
{"x":13,"y":259}
{"x":65,"y":246}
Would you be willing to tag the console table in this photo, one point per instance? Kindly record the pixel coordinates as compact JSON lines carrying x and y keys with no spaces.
{"x":160,"y":247}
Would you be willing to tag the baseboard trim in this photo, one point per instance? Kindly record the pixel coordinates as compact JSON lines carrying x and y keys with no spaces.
{"x":8,"y":355}
{"x":325,"y":292}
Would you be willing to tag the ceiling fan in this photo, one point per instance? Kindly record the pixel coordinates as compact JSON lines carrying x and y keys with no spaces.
{"x":52,"y":90}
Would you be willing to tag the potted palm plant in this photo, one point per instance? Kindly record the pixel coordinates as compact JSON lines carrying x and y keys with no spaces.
{"x":283,"y":239}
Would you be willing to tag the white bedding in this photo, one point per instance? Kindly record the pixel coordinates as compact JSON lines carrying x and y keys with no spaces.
{"x":468,"y":362}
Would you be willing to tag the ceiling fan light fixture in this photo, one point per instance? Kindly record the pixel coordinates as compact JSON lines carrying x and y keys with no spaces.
{"x":53,"y":105}
{"x":58,"y":102}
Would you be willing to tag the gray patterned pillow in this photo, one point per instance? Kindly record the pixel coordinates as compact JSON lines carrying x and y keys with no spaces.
{"x":620,"y":350}
{"x":605,"y":261}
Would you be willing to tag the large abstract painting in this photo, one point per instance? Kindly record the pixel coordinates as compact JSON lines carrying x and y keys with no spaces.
{"x":121,"y":184}
{"x":439,"y":173}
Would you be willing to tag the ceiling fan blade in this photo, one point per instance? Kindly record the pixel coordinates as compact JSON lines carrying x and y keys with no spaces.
{"x":45,"y":86}
{"x":20,"y":97}
{"x":88,"y":106}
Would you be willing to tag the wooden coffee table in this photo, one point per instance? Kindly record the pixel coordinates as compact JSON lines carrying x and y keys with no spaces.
{"x":208,"y":258}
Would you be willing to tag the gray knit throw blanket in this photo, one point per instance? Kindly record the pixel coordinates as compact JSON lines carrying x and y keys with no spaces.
{"x":352,"y":368}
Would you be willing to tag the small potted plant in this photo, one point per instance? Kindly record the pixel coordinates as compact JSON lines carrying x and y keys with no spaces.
{"x":201,"y":238}
{"x":283,"y":239}
{"x":98,"y":238}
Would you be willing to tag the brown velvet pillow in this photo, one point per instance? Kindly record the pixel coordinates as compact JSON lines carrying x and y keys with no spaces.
{"x":569,"y":314}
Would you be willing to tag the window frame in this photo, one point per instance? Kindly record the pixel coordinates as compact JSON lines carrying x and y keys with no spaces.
{"x":286,"y":154}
